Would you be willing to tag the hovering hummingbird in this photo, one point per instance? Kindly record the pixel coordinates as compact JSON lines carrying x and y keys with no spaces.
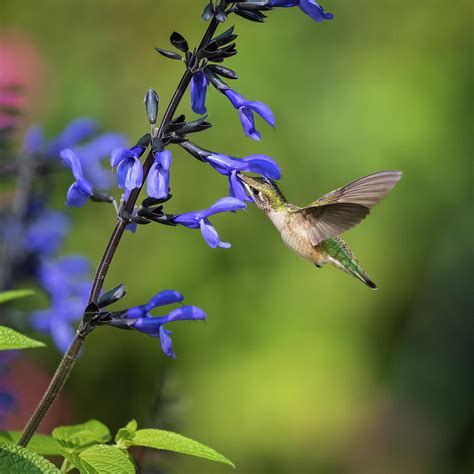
{"x":313,"y":231}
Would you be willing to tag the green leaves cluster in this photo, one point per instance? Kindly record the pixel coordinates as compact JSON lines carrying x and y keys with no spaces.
{"x":86,"y":447}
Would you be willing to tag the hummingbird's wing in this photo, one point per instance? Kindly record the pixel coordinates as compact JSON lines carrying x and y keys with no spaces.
{"x":343,"y":208}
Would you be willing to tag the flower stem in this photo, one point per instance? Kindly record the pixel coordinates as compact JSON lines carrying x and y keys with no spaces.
{"x":67,"y":363}
{"x":55,"y":386}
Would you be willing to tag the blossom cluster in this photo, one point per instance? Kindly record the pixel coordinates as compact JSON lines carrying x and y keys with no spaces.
{"x":32,"y":239}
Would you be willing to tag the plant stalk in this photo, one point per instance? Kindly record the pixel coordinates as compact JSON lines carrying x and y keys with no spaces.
{"x":67,"y":363}
{"x":55,"y":386}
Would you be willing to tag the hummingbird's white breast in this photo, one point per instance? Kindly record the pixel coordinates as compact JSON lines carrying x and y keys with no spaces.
{"x":294,"y":234}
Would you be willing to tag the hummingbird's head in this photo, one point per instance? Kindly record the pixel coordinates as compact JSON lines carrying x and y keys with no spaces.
{"x":265,"y":193}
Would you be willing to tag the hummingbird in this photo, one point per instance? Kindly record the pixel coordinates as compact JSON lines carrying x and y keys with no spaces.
{"x":313,"y":231}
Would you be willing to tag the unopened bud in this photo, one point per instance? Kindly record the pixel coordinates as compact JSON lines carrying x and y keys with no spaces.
{"x":151,"y":104}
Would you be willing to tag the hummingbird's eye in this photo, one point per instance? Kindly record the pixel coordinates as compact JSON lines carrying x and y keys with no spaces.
{"x":255,"y":192}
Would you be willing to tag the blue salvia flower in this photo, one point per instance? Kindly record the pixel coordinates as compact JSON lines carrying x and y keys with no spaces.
{"x":154,"y":325}
{"x":198,"y":90}
{"x":46,"y":233}
{"x":58,"y":320}
{"x":33,"y":140}
{"x":199,"y":220}
{"x":66,"y":282}
{"x":81,"y":189}
{"x":78,"y":136}
{"x":246,"y":109}
{"x":77,"y":131}
{"x":158,"y":181}
{"x":129,"y":167}
{"x":231,"y":167}
{"x":91,"y":154}
{"x":310,"y":7}
{"x":162,"y":298}
{"x":64,"y":276}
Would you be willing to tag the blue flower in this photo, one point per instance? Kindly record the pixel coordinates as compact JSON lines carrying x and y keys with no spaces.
{"x":158,"y":181}
{"x":199,"y":219}
{"x":64,"y":276}
{"x":129,"y":167}
{"x":77,"y":131}
{"x":46,"y":233}
{"x":65,"y":280}
{"x":310,"y":7}
{"x":33,"y":140}
{"x":246,"y":109}
{"x":91,"y":154}
{"x":162,"y":298}
{"x":198,"y":88}
{"x":81,"y":189}
{"x":231,"y":167}
{"x":75,"y":137}
{"x":154,"y":325}
{"x":57,"y":321}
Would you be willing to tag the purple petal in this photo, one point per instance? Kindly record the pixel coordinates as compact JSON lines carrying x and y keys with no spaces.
{"x":157,"y":182}
{"x":248,"y":123}
{"x":211,"y":236}
{"x":91,"y":155}
{"x":62,"y":333}
{"x":189,"y":219}
{"x":314,"y":10}
{"x":159,"y":177}
{"x":130,"y":173}
{"x":46,"y":233}
{"x":166,"y":344}
{"x":261,"y":164}
{"x":74,"y":265}
{"x":237,"y":189}
{"x":40,"y":320}
{"x":198,"y":91}
{"x":75,"y":196}
{"x":72,"y":161}
{"x":34,"y":140}
{"x":236,"y":99}
{"x":163,"y":298}
{"x":284,"y":3}
{"x":224,"y":164}
{"x":75,"y":132}
{"x":132,"y":227}
{"x":225,"y":204}
{"x":119,"y":154}
{"x":185,"y":313}
{"x":164,"y":159}
{"x":263,"y":110}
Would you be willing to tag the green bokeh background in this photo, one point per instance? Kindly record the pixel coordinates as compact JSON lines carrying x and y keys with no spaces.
{"x":296,"y":369}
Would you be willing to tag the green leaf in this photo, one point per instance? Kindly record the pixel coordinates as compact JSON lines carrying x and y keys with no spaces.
{"x":14,"y":294}
{"x":104,"y":459}
{"x":161,"y":439}
{"x":11,"y":339}
{"x":78,"y":437}
{"x":42,"y":444}
{"x":17,"y":460}
{"x":125,"y":434}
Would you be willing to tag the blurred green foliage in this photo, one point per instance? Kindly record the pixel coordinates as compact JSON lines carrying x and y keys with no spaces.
{"x":296,"y":369}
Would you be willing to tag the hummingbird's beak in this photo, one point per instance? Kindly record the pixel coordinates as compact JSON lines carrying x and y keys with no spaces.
{"x":248,"y":181}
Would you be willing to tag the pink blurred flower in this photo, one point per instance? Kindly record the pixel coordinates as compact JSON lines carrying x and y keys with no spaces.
{"x":21,"y":78}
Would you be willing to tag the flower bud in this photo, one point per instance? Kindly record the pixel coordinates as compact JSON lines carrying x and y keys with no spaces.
{"x":151,"y":103}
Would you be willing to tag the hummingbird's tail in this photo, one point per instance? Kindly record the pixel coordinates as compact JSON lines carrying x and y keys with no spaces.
{"x":340,"y":255}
